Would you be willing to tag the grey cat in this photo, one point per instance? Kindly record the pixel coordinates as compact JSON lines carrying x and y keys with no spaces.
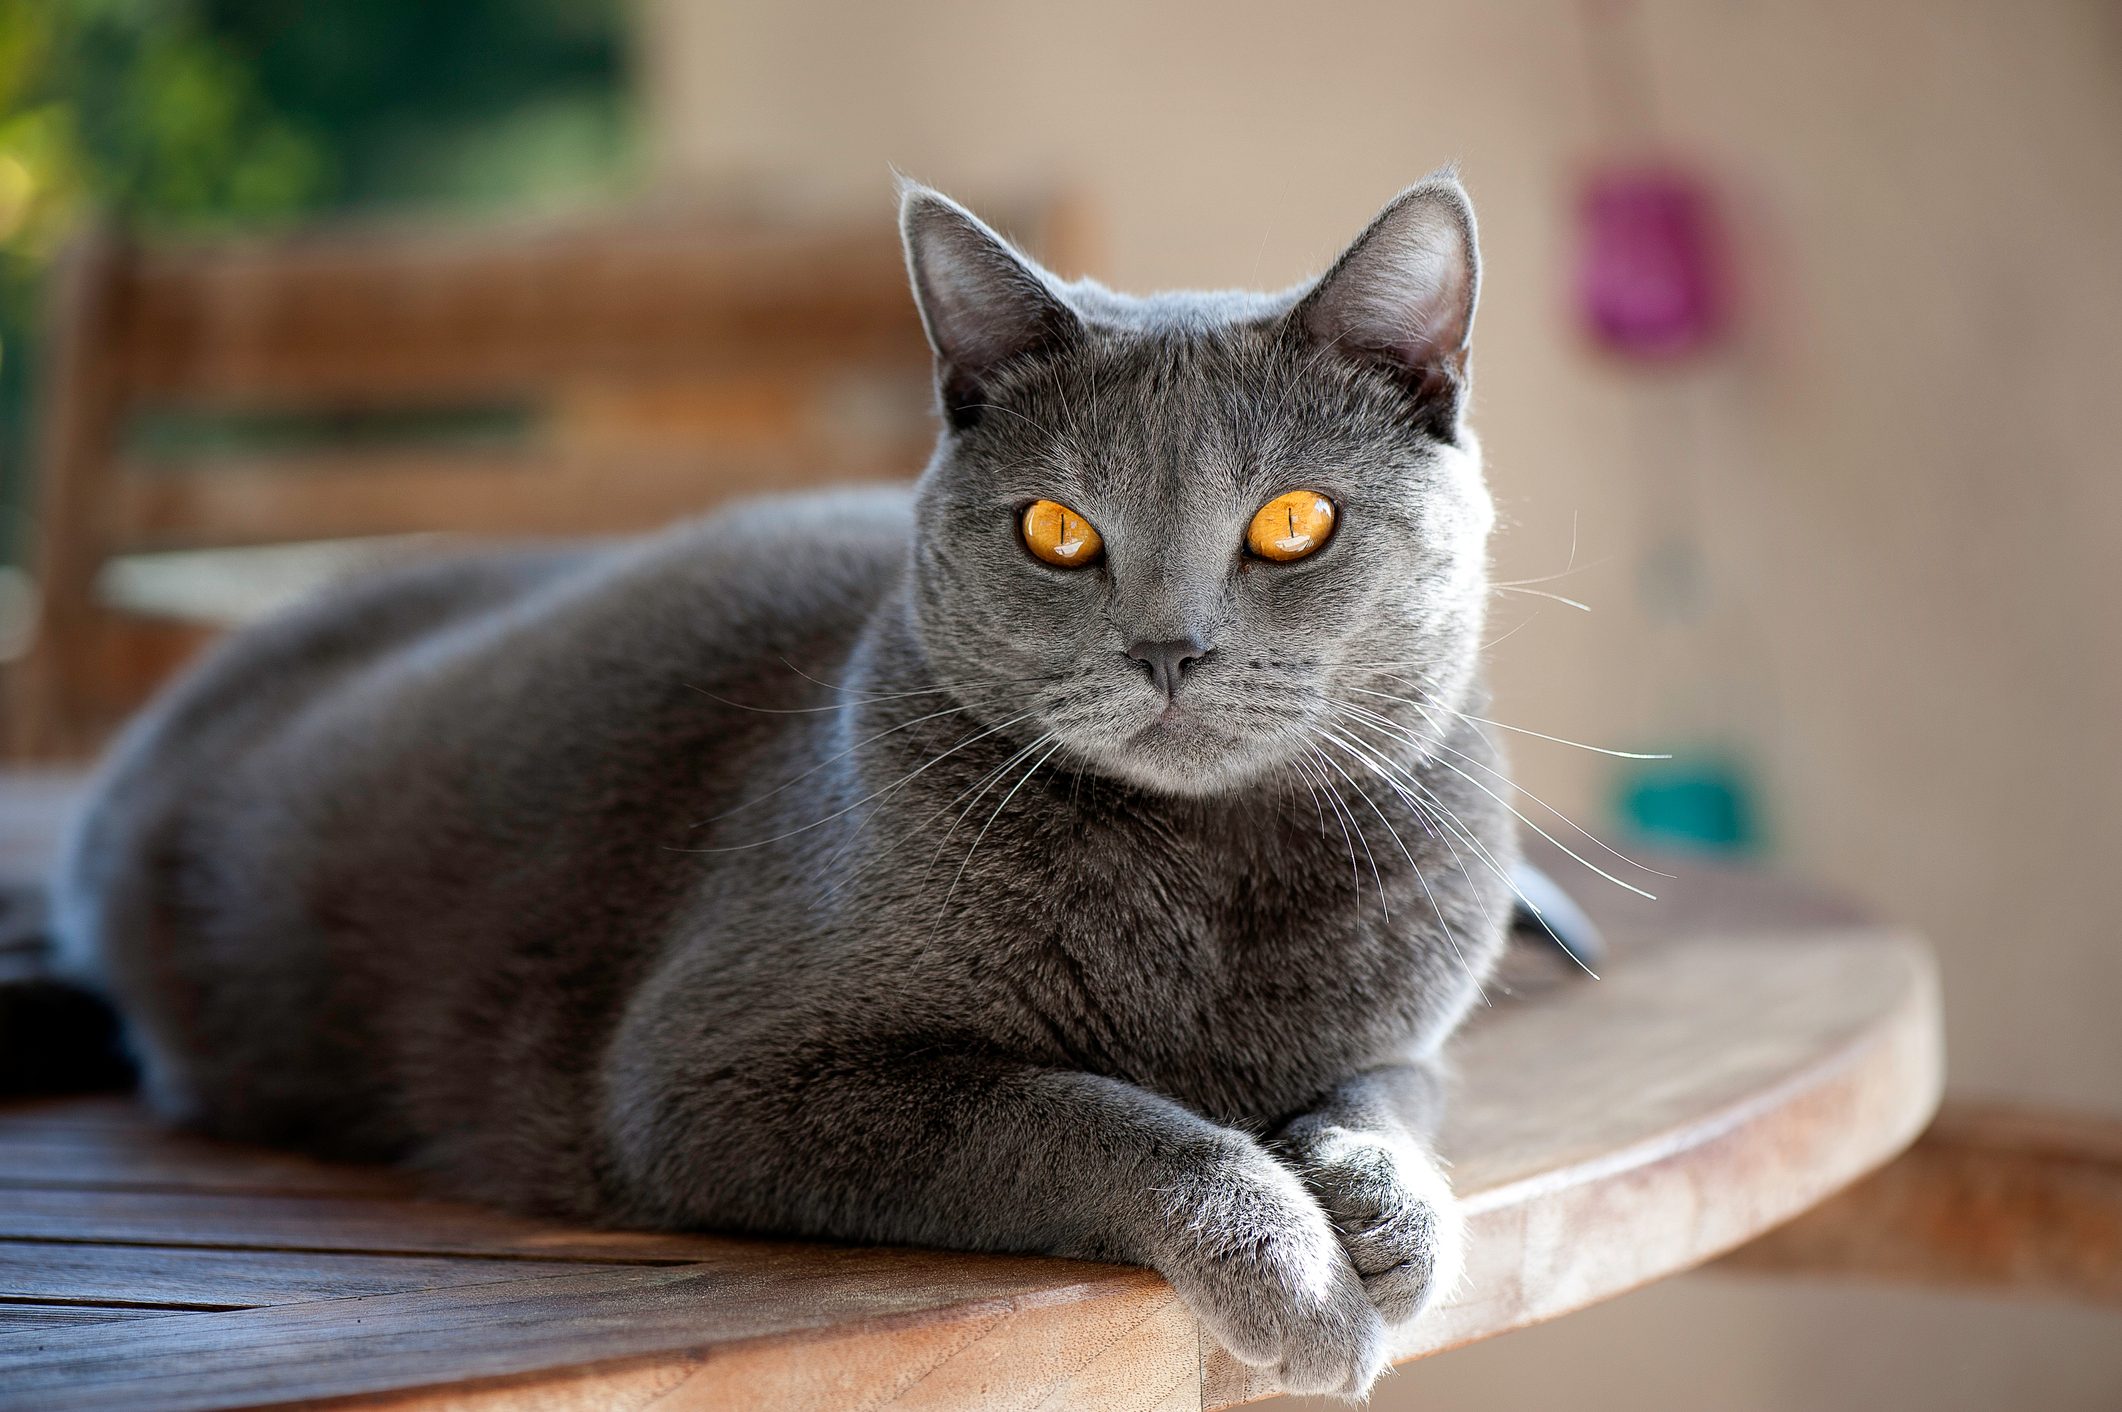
{"x":864,"y":866}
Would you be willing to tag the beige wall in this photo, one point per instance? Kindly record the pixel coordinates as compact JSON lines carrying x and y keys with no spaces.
{"x":1907,"y":471}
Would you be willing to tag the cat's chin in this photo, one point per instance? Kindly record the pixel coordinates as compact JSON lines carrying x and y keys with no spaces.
{"x":1178,"y":754}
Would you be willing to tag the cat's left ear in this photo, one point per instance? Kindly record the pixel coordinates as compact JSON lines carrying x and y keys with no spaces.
{"x":1402,"y":296}
{"x":982,"y":303}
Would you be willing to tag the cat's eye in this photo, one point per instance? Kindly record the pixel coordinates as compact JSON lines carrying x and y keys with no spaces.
{"x":1291,"y":526}
{"x":1060,"y":536}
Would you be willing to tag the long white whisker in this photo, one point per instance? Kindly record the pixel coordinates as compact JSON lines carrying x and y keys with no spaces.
{"x":1376,"y":876}
{"x":812,"y":710}
{"x":1341,"y":814}
{"x":1543,"y":593}
{"x":904,"y":834}
{"x":983,"y":784}
{"x":1382,"y":766}
{"x":841,"y":755}
{"x":850,"y":808}
{"x":953,"y":890}
{"x":1542,"y":735}
{"x":1305,"y":774}
{"x":1446,"y":817}
{"x":1434,"y":905}
{"x":1508,"y":782}
{"x":1521,"y":817}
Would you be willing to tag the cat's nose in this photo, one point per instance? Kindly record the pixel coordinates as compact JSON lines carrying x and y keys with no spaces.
{"x":1168,"y":661}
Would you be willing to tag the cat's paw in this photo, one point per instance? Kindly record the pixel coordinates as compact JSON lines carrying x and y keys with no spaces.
{"x":1394,"y":1213}
{"x":1256,"y":1259}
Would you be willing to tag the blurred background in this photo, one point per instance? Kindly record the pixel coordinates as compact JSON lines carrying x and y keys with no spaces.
{"x":1795,"y":368}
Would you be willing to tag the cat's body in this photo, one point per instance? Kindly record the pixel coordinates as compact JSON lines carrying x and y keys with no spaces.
{"x":829,"y":867}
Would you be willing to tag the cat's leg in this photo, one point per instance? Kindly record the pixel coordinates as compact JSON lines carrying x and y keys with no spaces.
{"x":1365,"y":1154}
{"x":986,"y":1154}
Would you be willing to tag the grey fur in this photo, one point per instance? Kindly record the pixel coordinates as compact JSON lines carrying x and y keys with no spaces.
{"x":827,"y":868}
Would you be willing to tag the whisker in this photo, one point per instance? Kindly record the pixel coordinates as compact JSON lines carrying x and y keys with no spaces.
{"x":1031,"y":422}
{"x":1380,"y":765}
{"x":1025,"y":780}
{"x":811,"y":710}
{"x":1569,"y":565}
{"x":1489,"y":769}
{"x":1420,"y":877}
{"x":1542,"y":593}
{"x":850,"y":808}
{"x":796,"y":779}
{"x":1384,"y":907}
{"x":1342,"y":815}
{"x":1305,"y":774}
{"x":782,"y":658}
{"x":1447,"y":817}
{"x":1518,"y":730}
{"x":844,"y":705}
{"x":1520,"y":816}
{"x":903,"y":835}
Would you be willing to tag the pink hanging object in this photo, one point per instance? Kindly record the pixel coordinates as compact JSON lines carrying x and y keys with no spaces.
{"x":1650,"y":283}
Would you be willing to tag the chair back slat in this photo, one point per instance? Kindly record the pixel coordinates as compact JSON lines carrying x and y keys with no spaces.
{"x":574,"y":377}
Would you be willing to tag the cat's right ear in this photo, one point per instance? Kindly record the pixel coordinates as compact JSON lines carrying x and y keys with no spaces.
{"x":1402,"y":298}
{"x":982,"y":303}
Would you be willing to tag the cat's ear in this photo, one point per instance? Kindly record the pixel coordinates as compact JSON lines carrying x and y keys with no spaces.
{"x":982,"y":303}
{"x":1402,"y":296}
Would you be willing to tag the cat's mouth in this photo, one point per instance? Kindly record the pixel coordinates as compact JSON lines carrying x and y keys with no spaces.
{"x":1177,"y":722}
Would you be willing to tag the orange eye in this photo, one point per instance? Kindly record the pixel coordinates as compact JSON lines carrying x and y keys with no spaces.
{"x":1060,"y":536}
{"x":1291,"y":526}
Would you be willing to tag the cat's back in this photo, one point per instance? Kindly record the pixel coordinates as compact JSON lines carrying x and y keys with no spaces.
{"x":709,"y":594}
{"x":374,"y":770}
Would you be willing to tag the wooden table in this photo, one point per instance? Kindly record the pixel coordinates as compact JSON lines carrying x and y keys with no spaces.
{"x":1750,"y":1051}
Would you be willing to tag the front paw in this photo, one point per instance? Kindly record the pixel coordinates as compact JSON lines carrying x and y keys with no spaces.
{"x":1256,"y":1259}
{"x":1393,"y":1211}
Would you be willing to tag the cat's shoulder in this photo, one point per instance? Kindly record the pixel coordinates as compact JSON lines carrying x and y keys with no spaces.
{"x":817,"y":538}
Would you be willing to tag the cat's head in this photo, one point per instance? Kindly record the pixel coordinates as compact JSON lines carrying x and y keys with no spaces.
{"x":1181,"y":534}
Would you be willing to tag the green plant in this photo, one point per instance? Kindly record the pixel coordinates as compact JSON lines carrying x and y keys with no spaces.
{"x":211,"y":115}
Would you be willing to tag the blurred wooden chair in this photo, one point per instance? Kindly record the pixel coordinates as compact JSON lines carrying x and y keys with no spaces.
{"x":587,"y":376}
{"x":1993,"y":1197}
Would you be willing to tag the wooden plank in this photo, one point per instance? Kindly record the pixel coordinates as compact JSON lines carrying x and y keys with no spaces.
{"x":49,"y":687}
{"x":1989,"y":1198}
{"x":33,"y":1318}
{"x":503,"y":492}
{"x":1002,"y":1317}
{"x":236,"y":1279}
{"x":424,"y":316}
{"x":359,"y":1225}
{"x":91,"y":1157}
{"x":1124,"y":1351}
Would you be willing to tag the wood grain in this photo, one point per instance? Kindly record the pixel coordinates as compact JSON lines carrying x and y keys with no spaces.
{"x":133,"y":1158}
{"x":242,"y":1221}
{"x":1989,"y":1197}
{"x":198,"y":1279}
{"x":28,"y":1316}
{"x":677,"y":1313}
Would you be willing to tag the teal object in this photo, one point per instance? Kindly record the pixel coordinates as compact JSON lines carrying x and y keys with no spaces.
{"x":1699,"y":802}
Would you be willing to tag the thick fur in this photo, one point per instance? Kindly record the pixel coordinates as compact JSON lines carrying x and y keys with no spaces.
{"x":827,"y":867}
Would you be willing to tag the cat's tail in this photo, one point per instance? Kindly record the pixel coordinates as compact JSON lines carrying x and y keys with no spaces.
{"x":56,"y":1037}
